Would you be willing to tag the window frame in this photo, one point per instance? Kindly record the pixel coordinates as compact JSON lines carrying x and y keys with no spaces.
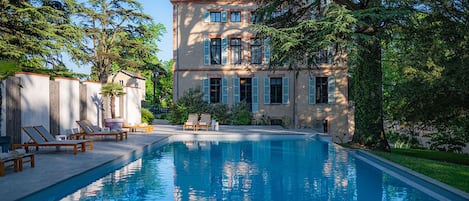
{"x":215,"y":90}
{"x":215,"y":50}
{"x":237,"y":17}
{"x":237,"y":48}
{"x":214,"y":17}
{"x":321,"y":86}
{"x":257,"y":44}
{"x":276,"y":90}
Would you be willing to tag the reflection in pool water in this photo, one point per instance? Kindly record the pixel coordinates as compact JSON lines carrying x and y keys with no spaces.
{"x":248,"y":170}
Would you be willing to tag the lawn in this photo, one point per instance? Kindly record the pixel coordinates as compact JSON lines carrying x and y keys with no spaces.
{"x":449,"y":168}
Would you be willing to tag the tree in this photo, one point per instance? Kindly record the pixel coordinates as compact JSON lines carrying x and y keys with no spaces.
{"x":355,"y":26}
{"x":426,"y":66}
{"x":112,"y":30}
{"x":112,"y":90}
{"x":36,"y":33}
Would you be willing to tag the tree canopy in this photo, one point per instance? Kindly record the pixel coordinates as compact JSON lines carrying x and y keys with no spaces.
{"x":416,"y":51}
{"x":35,"y":33}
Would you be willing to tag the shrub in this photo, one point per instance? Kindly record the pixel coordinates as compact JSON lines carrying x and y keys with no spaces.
{"x":147,"y":116}
{"x":192,"y":102}
{"x":240,"y":114}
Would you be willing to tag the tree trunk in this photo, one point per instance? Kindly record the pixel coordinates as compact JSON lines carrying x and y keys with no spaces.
{"x":368,"y":95}
{"x":113,"y":107}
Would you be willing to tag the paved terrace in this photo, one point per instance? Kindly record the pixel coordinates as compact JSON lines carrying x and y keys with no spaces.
{"x":53,"y":167}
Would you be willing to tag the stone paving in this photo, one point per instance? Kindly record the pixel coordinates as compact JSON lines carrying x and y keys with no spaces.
{"x":54,"y":166}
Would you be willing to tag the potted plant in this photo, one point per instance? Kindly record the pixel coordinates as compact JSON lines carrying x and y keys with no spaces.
{"x":113,"y":90}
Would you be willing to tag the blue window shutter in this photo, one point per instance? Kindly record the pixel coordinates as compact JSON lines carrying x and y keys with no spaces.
{"x":255,"y":95}
{"x":266,"y":51}
{"x":266,"y":90}
{"x":285,"y":90}
{"x":224,"y":90}
{"x":207,"y":16}
{"x":312,"y":90}
{"x":223,"y":16}
{"x":331,"y":90}
{"x":205,"y":89}
{"x":206,"y":51}
{"x":224,"y":50}
{"x":236,"y":90}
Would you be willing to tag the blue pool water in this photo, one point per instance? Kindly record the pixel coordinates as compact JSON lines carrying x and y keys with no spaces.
{"x":248,"y":170}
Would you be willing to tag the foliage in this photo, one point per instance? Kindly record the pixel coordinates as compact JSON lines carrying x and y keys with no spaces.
{"x":401,"y":140}
{"x":164,"y":85}
{"x":240,"y":114}
{"x":350,"y":28}
{"x":35,"y":33}
{"x":112,"y":90}
{"x":452,"y":173}
{"x":114,"y":33}
{"x":426,"y":68}
{"x":450,"y":141}
{"x":192,"y":102}
{"x":220,"y":112}
{"x":147,"y":116}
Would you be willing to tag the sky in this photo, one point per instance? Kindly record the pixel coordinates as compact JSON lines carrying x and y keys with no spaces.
{"x":162,"y":12}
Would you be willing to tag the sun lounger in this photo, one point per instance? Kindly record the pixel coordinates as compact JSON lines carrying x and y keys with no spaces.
{"x":89,"y":131}
{"x":134,"y":128}
{"x":205,"y":121}
{"x":191,"y":122}
{"x":49,"y":138}
{"x":39,"y":141}
{"x":16,"y":161}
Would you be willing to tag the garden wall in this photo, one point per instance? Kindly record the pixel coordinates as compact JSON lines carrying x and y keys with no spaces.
{"x":33,"y":99}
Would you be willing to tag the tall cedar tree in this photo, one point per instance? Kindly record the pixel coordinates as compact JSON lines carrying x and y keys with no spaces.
{"x":299,"y":29}
{"x":35,"y":33}
{"x":112,"y":31}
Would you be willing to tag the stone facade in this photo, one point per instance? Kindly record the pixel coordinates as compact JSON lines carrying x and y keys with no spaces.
{"x":215,"y":49}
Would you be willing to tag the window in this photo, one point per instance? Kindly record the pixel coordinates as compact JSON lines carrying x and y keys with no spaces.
{"x":276,"y":90}
{"x":215,"y":90}
{"x":235,"y":16}
{"x":256,"y":51}
{"x":235,"y":51}
{"x":215,"y":16}
{"x":245,"y":85}
{"x":321,"y":90}
{"x":253,"y":18}
{"x":215,"y":51}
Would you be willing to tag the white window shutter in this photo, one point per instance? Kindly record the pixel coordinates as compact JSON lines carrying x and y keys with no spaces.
{"x":206,"y":89}
{"x":266,"y":90}
{"x":224,"y":90}
{"x":236,"y":90}
{"x":224,"y":51}
{"x":223,"y":16}
{"x":285,"y":90}
{"x":207,"y":16}
{"x":255,"y":95}
{"x":206,"y":51}
{"x":331,"y":90}
{"x":312,"y":90}
{"x":266,"y":51}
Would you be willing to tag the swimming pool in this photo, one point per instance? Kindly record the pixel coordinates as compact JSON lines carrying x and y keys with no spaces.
{"x":287,"y":168}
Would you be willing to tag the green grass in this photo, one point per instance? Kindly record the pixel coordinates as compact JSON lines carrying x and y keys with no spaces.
{"x":448,"y":168}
